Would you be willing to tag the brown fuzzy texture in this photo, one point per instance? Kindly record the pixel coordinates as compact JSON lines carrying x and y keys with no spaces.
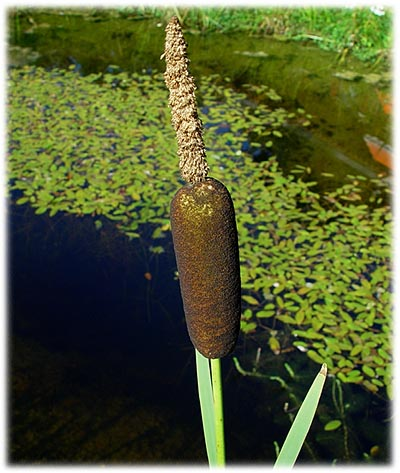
{"x":182,"y":101}
{"x":206,"y":248}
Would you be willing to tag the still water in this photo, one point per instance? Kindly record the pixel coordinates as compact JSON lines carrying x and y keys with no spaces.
{"x":306,"y":77}
{"x":102,"y":367}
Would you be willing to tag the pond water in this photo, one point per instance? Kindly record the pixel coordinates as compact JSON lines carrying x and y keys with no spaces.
{"x":306,"y":77}
{"x":103,"y":370}
{"x":102,"y":367}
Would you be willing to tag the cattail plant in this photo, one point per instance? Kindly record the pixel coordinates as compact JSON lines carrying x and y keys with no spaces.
{"x":205,"y":242}
{"x":202,"y":220}
{"x":206,"y":248}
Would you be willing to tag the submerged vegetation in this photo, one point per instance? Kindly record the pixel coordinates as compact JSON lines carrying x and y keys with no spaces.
{"x":315,"y":268}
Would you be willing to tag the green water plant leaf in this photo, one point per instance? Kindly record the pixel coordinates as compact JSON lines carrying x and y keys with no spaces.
{"x":207,"y":405}
{"x":315,"y":264}
{"x":302,"y":423}
{"x":332,"y":425}
{"x":250,"y":300}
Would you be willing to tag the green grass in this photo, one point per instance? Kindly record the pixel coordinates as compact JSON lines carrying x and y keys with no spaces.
{"x":356,"y":31}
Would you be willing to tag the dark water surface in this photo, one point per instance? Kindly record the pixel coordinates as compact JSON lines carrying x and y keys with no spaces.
{"x":102,"y":369}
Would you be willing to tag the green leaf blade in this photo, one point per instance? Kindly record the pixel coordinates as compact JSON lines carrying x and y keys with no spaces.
{"x":207,"y":406}
{"x":301,"y":425}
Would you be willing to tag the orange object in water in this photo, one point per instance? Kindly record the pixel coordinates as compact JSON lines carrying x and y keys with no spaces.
{"x":381,"y":152}
{"x":386,"y":101}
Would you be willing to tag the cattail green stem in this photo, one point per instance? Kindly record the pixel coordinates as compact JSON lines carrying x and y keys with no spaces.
{"x":218,"y":410}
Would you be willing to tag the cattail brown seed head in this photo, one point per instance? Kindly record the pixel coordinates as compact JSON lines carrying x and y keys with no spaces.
{"x":206,"y":249}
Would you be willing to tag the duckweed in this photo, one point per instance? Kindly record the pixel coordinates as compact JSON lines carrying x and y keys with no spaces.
{"x":315,"y":268}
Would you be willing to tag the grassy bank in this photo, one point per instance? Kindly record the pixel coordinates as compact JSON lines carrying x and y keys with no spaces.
{"x":363,"y":32}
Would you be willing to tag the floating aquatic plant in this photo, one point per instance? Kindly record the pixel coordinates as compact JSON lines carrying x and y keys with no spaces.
{"x":315,"y":267}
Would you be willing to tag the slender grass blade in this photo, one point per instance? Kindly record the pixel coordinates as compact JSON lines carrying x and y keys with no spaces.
{"x":301,"y":425}
{"x":207,"y":406}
